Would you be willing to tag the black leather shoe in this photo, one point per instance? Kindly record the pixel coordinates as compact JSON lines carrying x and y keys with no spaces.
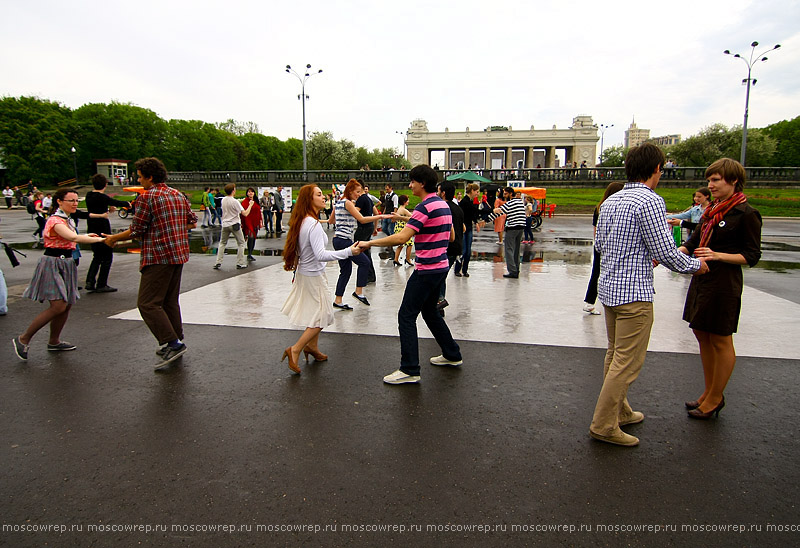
{"x":105,"y":289}
{"x":342,"y":306}
{"x":361,"y":298}
{"x":510,"y":275}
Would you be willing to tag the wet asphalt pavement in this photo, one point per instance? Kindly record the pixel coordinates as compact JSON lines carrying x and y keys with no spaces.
{"x":228,"y":449}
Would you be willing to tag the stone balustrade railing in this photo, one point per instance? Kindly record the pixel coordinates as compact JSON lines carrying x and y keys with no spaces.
{"x":763,"y":177}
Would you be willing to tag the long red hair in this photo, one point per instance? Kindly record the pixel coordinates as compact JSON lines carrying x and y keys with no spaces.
{"x":302,"y":208}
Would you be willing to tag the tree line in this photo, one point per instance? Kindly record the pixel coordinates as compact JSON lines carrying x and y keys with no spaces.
{"x":37,"y":137}
{"x":777,"y":145}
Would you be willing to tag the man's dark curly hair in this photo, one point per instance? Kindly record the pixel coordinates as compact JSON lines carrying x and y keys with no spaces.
{"x":152,"y":167}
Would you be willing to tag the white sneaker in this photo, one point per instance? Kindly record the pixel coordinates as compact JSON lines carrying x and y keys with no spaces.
{"x":398,"y":377}
{"x":590,"y":308}
{"x":441,"y":360}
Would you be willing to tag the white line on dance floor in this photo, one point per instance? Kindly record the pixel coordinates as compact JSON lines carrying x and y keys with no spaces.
{"x":543,"y":306}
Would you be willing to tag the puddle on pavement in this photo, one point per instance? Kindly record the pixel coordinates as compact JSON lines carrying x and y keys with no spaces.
{"x":530,"y":253}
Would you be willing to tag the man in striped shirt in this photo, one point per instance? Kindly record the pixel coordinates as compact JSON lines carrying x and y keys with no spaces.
{"x":431,"y":227}
{"x":632,"y":233}
{"x":514,"y":210}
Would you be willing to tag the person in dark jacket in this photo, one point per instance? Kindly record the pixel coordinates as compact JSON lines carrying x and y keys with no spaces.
{"x":98,"y":202}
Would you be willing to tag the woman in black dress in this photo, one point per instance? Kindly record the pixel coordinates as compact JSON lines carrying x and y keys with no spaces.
{"x":729,"y":235}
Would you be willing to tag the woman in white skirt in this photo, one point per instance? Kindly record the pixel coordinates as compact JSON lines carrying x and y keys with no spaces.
{"x":56,"y":276}
{"x":309,"y":302}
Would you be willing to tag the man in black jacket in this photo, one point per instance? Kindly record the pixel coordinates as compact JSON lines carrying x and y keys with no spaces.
{"x":97,"y":201}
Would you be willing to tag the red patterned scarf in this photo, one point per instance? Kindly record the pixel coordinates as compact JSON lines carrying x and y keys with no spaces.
{"x":714,"y":213}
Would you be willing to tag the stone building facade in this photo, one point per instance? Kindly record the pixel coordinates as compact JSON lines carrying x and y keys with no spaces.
{"x":502,"y":147}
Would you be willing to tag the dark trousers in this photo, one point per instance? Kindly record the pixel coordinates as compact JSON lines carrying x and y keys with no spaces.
{"x":102,"y":257}
{"x":462,"y":264}
{"x":420,"y":297}
{"x":278,"y":220}
{"x":40,"y":221}
{"x":512,"y":247}
{"x":451,"y":259}
{"x":346,"y":267}
{"x":591,"y":291}
{"x":159,"y":290}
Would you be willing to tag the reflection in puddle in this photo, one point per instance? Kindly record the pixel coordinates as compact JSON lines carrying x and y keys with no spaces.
{"x":556,"y":251}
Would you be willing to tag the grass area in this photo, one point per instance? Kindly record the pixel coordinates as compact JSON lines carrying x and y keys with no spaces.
{"x":770,"y":202}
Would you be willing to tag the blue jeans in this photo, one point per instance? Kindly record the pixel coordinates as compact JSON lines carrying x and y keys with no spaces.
{"x":463,"y":262}
{"x":267,"y":219}
{"x":421,"y":296}
{"x":346,"y":267}
{"x":528,"y":236}
{"x":387,"y":226}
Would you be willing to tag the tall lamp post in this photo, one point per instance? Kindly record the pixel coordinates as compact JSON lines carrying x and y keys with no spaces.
{"x":75,"y":163}
{"x":308,"y":74}
{"x":403,"y":135}
{"x":603,"y":128}
{"x":752,"y":61}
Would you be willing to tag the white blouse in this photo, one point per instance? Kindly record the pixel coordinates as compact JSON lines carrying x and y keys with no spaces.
{"x":312,"y":252}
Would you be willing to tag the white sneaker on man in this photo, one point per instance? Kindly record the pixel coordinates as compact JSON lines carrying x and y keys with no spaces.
{"x":590,"y":308}
{"x":441,"y":360}
{"x":398,"y":377}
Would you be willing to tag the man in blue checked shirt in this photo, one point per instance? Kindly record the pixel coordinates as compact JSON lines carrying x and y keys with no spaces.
{"x":632,"y":233}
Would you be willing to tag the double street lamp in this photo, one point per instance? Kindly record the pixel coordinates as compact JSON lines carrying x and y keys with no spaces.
{"x":603,"y":128}
{"x":308,"y":74}
{"x":752,"y":61}
{"x":403,"y":135}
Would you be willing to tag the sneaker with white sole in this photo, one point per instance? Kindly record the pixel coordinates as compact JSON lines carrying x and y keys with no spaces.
{"x":591,"y":309}
{"x":63,"y":346}
{"x":171,"y":355}
{"x":21,"y":350}
{"x":441,"y":360}
{"x":398,"y":377}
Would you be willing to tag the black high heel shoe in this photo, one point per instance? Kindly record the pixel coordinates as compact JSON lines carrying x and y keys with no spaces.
{"x":397,"y":263}
{"x":692,"y":404}
{"x":697,"y":414}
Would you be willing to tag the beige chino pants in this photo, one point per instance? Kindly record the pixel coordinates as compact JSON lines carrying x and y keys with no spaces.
{"x":628,"y":329}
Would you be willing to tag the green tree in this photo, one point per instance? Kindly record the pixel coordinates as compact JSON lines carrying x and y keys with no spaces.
{"x":117,"y":130}
{"x":787,"y":136}
{"x":717,"y":141}
{"x":614,"y":156}
{"x":35,"y":140}
{"x":238,"y":128}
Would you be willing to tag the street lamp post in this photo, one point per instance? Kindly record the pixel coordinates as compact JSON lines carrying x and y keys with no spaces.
{"x":403,"y":135}
{"x":752,"y":61}
{"x":308,"y":74}
{"x":603,"y":128}
{"x":75,"y":163}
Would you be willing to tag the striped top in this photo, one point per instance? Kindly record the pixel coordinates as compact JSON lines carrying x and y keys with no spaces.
{"x":514,"y":210}
{"x":632,"y":231}
{"x":346,"y":224}
{"x":431,"y":221}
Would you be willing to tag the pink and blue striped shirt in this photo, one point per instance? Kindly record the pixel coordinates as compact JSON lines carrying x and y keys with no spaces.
{"x":431,"y":221}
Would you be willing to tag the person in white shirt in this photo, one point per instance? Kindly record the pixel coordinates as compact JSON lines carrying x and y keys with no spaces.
{"x":232,"y":224}
{"x":309,"y":302}
{"x":8,"y":194}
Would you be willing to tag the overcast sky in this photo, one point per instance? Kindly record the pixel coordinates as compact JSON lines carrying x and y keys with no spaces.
{"x":455,"y":64}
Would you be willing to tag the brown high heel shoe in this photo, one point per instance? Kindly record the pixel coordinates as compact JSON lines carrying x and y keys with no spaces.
{"x":697,"y":414}
{"x":318,"y":356}
{"x":292,"y":364}
{"x":692,"y":404}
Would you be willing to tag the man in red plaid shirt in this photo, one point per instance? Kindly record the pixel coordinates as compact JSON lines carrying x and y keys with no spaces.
{"x":161,"y":222}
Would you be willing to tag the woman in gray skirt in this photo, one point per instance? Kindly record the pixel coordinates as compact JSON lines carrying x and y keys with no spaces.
{"x":56,"y":275}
